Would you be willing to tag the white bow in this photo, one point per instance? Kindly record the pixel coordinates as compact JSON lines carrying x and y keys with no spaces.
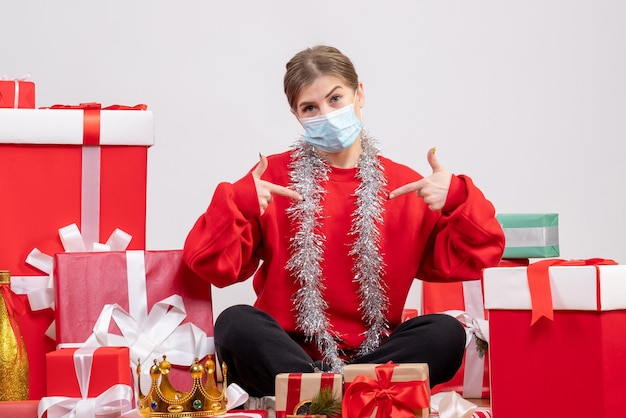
{"x":451,"y":405}
{"x":116,"y":399}
{"x":159,"y":333}
{"x":40,"y":289}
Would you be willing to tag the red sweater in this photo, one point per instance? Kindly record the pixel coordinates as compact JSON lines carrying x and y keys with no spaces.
{"x":231,"y":240}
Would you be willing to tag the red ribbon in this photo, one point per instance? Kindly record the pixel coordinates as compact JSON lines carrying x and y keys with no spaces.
{"x":539,"y":283}
{"x":14,"y":306}
{"x":393,"y":399}
{"x":294,"y":387}
{"x":91,"y":120}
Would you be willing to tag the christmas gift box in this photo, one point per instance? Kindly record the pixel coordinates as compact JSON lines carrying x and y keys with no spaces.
{"x":556,"y":333}
{"x":149,"y":301}
{"x":68,"y":166}
{"x":386,"y":390}
{"x":18,"y":93}
{"x":88,"y":382}
{"x":530,"y":235}
{"x":295,"y":391}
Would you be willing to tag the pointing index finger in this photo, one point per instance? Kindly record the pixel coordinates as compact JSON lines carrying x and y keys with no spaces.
{"x":284,"y":191}
{"x":407,"y":188}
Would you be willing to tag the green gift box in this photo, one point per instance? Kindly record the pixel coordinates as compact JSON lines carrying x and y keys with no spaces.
{"x":530,"y":235}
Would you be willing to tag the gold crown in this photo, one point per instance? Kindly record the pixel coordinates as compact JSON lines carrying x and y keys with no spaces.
{"x":203,"y":400}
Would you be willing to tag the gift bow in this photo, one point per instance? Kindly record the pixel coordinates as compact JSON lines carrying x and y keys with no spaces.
{"x":118,"y":398}
{"x":98,"y":106}
{"x":159,"y":333}
{"x":452,"y":405}
{"x":393,"y":399}
{"x":539,"y":283}
{"x":474,"y":327}
{"x":41,"y":292}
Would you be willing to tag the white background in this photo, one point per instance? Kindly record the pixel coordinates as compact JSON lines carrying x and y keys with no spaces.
{"x":526,"y":97}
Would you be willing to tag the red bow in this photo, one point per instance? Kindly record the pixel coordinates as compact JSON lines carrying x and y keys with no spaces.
{"x":539,"y":283}
{"x":14,"y":306}
{"x":393,"y":399}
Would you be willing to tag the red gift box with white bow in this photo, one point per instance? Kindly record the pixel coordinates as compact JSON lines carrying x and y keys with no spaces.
{"x":557,"y":333}
{"x":85,"y":166}
{"x":149,"y":301}
{"x":93,"y":381}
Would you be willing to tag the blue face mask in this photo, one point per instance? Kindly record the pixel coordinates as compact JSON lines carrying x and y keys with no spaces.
{"x":334,"y":131}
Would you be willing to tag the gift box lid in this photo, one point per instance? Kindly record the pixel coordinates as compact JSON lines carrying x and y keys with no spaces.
{"x":66,"y":126}
{"x":594,"y":288}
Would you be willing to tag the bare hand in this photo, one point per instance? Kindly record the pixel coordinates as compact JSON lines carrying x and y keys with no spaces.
{"x":265,"y":189}
{"x":432,"y":189}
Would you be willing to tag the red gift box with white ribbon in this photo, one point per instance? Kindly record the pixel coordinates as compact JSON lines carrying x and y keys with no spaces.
{"x":148,"y":301}
{"x":90,"y":382}
{"x":557,"y":331}
{"x":85,"y":166}
{"x":17,"y":94}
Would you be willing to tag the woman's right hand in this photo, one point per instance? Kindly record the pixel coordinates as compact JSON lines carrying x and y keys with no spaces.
{"x":265,"y":189}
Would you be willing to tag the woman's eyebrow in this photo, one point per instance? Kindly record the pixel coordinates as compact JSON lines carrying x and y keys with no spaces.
{"x":332,"y":91}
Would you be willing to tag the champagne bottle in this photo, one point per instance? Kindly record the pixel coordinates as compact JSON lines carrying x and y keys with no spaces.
{"x":13,"y":358}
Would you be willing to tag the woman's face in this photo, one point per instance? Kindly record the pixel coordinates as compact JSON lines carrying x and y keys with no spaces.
{"x":326,"y":94}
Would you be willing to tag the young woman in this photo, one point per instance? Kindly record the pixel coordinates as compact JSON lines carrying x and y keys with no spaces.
{"x":334,"y":235}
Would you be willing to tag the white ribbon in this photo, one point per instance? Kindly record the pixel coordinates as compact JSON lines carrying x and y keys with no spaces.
{"x":115,"y":400}
{"x":40,"y":289}
{"x":159,"y":333}
{"x":235,"y":396}
{"x":451,"y":405}
{"x":474,"y":365}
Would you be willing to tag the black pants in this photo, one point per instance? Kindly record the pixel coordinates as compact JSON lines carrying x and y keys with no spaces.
{"x":255,"y":348}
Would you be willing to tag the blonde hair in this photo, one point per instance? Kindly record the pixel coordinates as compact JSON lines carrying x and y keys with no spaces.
{"x":311,"y":63}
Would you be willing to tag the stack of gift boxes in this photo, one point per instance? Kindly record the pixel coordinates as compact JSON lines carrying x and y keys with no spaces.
{"x":72,"y":235}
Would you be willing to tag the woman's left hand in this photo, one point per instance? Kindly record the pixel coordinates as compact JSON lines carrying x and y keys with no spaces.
{"x":432,"y":189}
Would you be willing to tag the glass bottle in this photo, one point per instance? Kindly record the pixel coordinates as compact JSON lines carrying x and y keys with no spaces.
{"x":13,"y":358}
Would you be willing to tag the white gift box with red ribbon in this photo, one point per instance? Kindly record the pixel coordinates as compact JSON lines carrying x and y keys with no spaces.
{"x":557,"y":333}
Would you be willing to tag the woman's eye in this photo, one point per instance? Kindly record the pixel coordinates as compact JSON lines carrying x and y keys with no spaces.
{"x":335,"y":98}
{"x":308,"y":109}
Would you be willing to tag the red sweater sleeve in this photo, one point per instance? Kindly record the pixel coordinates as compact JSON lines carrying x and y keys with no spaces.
{"x":221,"y":245}
{"x":466,"y":237}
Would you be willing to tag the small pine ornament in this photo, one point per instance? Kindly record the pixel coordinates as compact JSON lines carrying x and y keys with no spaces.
{"x":324,"y":404}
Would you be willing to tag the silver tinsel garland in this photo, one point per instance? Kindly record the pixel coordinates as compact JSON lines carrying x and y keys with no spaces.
{"x":308,"y":173}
